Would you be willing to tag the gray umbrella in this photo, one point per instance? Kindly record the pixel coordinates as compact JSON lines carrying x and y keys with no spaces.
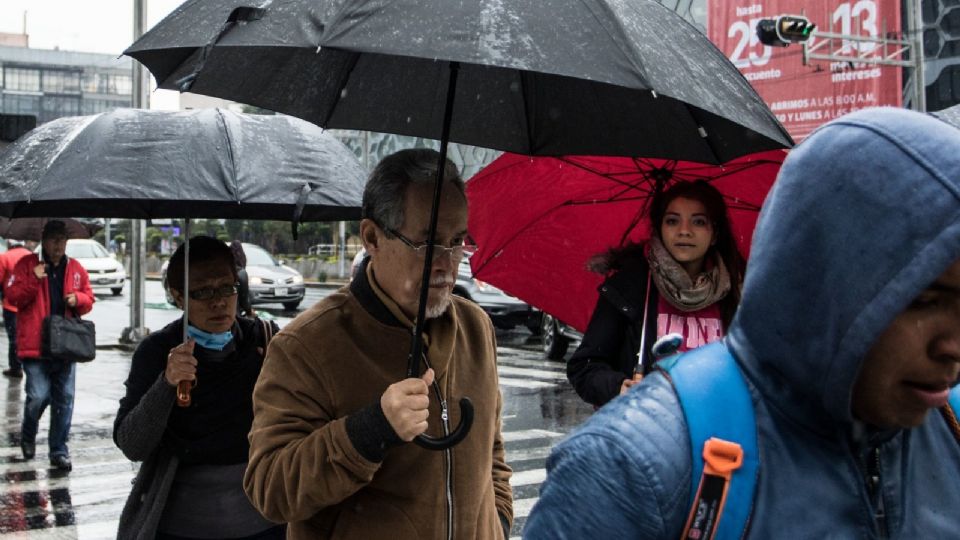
{"x":211,"y":163}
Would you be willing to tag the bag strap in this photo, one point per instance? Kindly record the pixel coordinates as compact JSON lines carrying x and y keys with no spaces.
{"x":721,"y":421}
{"x":267,"y":333}
{"x":950,"y":411}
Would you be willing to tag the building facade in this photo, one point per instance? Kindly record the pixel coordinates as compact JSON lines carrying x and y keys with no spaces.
{"x":50,"y":84}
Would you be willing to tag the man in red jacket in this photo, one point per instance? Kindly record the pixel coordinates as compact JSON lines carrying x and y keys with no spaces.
{"x":57,"y":285}
{"x":8,"y":261}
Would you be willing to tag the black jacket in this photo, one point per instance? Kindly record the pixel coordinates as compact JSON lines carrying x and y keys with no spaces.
{"x":608,"y":352}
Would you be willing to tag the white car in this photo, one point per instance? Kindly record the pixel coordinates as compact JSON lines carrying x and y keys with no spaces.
{"x":106,"y":272}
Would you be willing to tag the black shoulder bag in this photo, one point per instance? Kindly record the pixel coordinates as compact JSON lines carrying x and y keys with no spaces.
{"x":72,"y":339}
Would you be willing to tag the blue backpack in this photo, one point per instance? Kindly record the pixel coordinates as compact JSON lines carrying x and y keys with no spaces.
{"x":726,"y":457}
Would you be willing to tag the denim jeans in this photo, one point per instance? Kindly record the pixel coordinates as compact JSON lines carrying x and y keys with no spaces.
{"x":49,"y":382}
{"x":10,"y":323}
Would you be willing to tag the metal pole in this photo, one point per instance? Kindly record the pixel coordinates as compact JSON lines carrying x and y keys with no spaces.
{"x":919,"y":73}
{"x":138,"y":234}
{"x":915,"y":26}
{"x":342,"y":252}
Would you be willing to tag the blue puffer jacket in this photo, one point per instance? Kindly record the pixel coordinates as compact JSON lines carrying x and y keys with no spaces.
{"x":835,"y":258}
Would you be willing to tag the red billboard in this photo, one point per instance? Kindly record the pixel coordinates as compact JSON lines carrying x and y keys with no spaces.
{"x":805,"y":96}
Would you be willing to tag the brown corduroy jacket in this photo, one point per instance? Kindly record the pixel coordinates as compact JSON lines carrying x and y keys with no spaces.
{"x":338,"y":358}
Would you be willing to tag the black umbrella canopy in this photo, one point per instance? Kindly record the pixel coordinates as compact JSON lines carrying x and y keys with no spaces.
{"x":601,"y":77}
{"x":209,"y":163}
{"x":598,"y":77}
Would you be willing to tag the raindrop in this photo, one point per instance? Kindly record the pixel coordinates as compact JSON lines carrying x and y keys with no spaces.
{"x":409,"y":119}
{"x":654,"y":94}
{"x":703,"y":132}
{"x":343,"y":93}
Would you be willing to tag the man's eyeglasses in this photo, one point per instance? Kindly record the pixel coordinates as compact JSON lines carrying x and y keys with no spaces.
{"x":438,"y":250}
{"x":209,"y":293}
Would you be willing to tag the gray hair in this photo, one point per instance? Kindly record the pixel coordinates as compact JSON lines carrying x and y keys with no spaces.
{"x":383,"y":196}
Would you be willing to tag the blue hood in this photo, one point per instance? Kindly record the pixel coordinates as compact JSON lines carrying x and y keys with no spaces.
{"x":835,"y":256}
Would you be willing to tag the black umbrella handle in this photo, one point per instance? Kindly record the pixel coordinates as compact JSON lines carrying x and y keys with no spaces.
{"x":458,"y":434}
{"x":416,"y":348}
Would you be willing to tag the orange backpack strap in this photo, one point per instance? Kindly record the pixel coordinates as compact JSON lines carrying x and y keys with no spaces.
{"x":950,"y":410}
{"x":718,"y":409}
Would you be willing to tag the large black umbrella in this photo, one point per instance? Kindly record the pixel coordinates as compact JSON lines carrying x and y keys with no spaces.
{"x":210,"y":163}
{"x":601,"y":77}
{"x":597,"y":77}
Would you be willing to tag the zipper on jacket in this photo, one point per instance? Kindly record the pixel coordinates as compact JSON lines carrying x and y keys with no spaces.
{"x":447,"y":453}
{"x":875,"y":489}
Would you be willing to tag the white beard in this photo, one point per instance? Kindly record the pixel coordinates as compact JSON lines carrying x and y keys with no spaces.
{"x":441,"y":306}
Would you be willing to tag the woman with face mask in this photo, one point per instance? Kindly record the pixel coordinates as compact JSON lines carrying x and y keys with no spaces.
{"x":685,"y":280}
{"x":190,"y":484}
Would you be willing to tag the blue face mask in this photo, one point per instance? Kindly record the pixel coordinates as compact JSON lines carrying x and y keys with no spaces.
{"x":207,"y":340}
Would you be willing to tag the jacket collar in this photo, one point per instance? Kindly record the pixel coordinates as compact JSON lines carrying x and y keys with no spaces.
{"x":362,"y":288}
{"x":439,"y":335}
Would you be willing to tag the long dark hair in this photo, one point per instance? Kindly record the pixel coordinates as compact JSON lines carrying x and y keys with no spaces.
{"x":725,"y":246}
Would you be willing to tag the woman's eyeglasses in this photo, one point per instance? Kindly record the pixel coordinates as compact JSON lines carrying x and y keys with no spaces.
{"x":438,"y":250}
{"x":209,"y":293}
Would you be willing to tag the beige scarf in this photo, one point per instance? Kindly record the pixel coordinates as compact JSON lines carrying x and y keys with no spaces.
{"x":675,"y":284}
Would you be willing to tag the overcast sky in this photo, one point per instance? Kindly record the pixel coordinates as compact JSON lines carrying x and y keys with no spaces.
{"x":102,"y":26}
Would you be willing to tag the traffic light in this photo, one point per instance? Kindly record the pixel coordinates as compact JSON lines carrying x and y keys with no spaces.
{"x":784,"y":30}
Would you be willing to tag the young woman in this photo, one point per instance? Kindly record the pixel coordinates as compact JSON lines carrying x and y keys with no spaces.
{"x":686,"y":279}
{"x":190,"y":484}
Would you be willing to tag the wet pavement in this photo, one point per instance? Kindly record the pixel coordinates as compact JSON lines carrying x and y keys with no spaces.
{"x":39,"y":502}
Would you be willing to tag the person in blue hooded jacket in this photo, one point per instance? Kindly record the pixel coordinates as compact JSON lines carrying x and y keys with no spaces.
{"x":848,"y":336}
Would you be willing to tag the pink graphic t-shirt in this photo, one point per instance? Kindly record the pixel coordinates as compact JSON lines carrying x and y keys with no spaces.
{"x":697,"y":327}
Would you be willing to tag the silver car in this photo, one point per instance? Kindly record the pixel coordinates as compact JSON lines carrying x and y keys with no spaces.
{"x":270,"y":280}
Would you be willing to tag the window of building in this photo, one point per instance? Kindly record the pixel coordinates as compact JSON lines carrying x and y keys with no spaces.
{"x":54,"y":107}
{"x":60,"y":81}
{"x":21,"y":79}
{"x":96,"y":106}
{"x":124,"y":85}
{"x":107,"y":83}
{"x":17,"y":104}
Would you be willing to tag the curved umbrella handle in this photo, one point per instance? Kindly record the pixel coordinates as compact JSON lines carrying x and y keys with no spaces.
{"x":466,"y":422}
{"x":183,"y":393}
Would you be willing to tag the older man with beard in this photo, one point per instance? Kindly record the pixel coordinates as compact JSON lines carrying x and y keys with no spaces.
{"x":328,"y":450}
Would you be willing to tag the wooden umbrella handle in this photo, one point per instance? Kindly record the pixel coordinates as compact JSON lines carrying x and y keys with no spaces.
{"x":183,"y":393}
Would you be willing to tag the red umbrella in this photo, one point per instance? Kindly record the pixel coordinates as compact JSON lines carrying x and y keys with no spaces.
{"x":538,"y":220}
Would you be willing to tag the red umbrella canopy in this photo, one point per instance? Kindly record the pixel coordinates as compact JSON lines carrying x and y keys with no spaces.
{"x":538,"y":220}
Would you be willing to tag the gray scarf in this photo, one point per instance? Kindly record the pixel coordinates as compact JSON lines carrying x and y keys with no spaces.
{"x":675,"y":284}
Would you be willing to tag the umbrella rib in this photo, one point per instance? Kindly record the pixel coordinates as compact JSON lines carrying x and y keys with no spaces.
{"x":341,"y":85}
{"x":583,"y":167}
{"x":233,"y":161}
{"x":527,"y":112}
